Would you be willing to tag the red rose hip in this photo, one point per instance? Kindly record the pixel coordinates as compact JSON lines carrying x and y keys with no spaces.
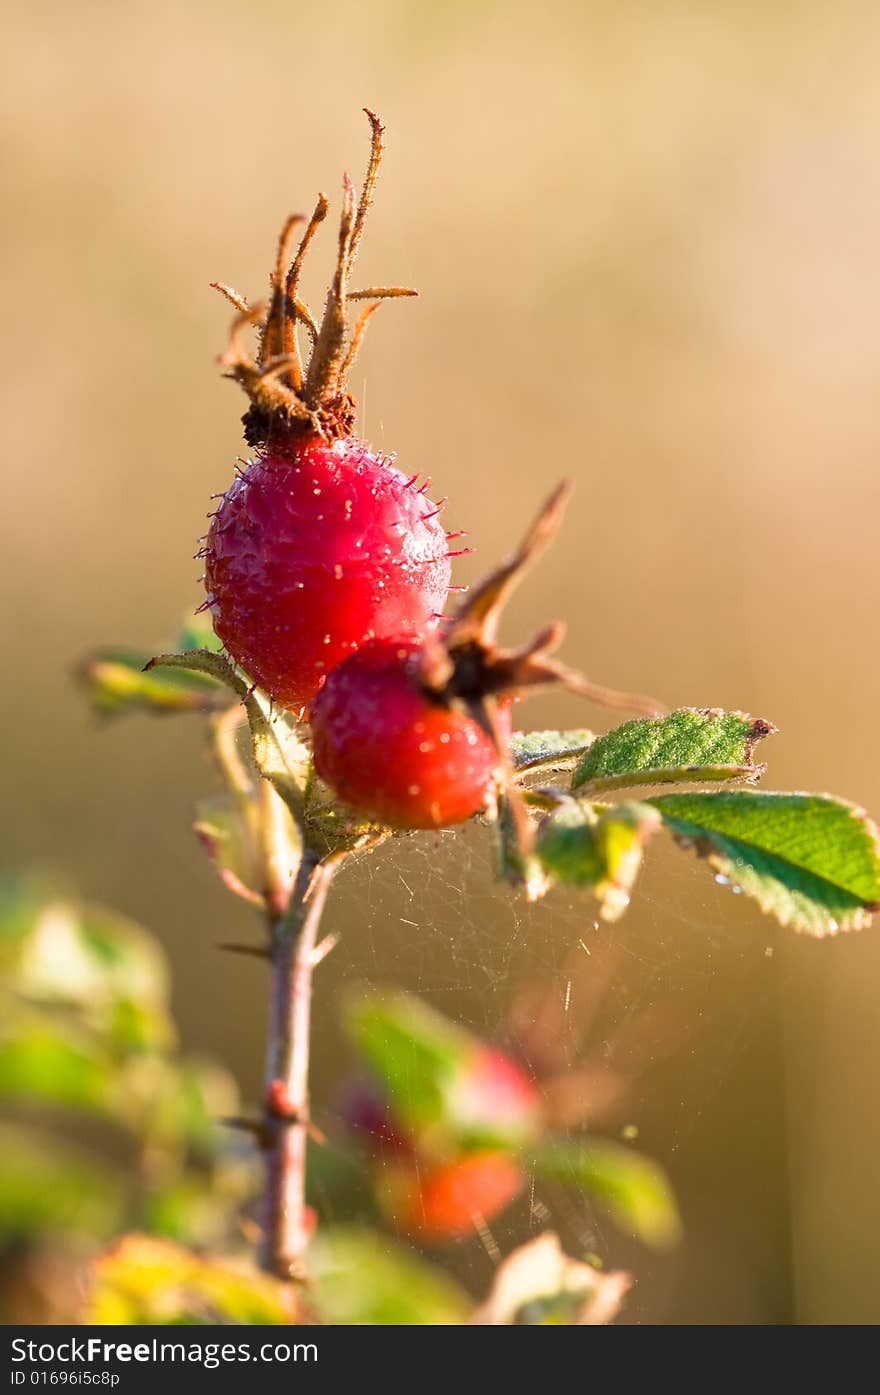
{"x":317,"y":548}
{"x":393,"y":753}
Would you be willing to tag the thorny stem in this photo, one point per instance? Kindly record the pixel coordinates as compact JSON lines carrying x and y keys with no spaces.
{"x":284,"y":1127}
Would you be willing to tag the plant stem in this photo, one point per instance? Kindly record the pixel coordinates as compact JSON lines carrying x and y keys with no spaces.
{"x":285,"y":1120}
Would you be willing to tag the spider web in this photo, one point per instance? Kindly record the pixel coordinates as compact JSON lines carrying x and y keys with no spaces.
{"x":676,"y":999}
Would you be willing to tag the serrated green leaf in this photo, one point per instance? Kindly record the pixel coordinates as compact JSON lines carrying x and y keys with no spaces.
{"x":147,"y":1281}
{"x":117,"y":684}
{"x":548,"y":750}
{"x":362,"y":1278}
{"x":689,"y":745}
{"x":633,"y":1189}
{"x":598,"y":851}
{"x":810,"y":860}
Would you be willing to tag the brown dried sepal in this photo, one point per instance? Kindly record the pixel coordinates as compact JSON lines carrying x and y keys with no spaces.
{"x":469,"y":670}
{"x":285,"y":392}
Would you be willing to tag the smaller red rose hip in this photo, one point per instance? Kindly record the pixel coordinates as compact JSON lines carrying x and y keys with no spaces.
{"x":450,"y":1200}
{"x":391,"y":752}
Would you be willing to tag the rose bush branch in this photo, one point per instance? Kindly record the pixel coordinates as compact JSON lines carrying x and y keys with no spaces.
{"x":372,"y":712}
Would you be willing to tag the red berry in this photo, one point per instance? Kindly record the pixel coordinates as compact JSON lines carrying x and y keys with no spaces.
{"x":390,"y":751}
{"x":315,"y":549}
{"x":450,"y":1200}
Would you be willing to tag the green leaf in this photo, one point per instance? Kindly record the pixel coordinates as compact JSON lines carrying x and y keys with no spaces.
{"x":362,"y":1278}
{"x":517,"y":865}
{"x":147,"y":1281}
{"x":50,"y":1063}
{"x":280,"y":754}
{"x":117,"y":684}
{"x":598,"y":851}
{"x":548,"y":750}
{"x":810,"y":860}
{"x":538,"y":1285}
{"x":689,"y":745}
{"x":104,"y":967}
{"x":48,"y":1186}
{"x":633,"y":1189}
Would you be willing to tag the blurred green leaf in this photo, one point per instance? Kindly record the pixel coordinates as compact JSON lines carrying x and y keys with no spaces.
{"x":62,"y":954}
{"x":599,"y":851}
{"x":455,"y":1092}
{"x":632,"y":1188}
{"x":548,"y":750}
{"x":42,"y":1062}
{"x":688,"y":745}
{"x":810,"y":860}
{"x":362,"y":1278}
{"x":189,"y":1102}
{"x":116,"y":684}
{"x":46,"y":1185}
{"x":147,"y":1281}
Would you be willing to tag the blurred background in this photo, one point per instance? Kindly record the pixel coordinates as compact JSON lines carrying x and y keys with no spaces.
{"x":645,"y":236}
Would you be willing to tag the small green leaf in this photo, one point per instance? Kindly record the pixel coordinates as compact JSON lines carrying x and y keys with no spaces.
{"x":116,"y":683}
{"x":362,"y":1278}
{"x":98,"y":964}
{"x":810,"y":860}
{"x":599,"y":851}
{"x":282,"y":757}
{"x":548,"y":750}
{"x":46,"y":1185}
{"x":147,"y":1281}
{"x":689,"y":745}
{"x":517,"y":865}
{"x":49,"y":1063}
{"x":633,"y":1189}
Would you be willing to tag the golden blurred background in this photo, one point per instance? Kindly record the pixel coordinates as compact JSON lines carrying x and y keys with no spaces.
{"x":646,"y":238}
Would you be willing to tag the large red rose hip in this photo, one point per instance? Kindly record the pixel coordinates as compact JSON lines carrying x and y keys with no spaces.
{"x":317,"y":548}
